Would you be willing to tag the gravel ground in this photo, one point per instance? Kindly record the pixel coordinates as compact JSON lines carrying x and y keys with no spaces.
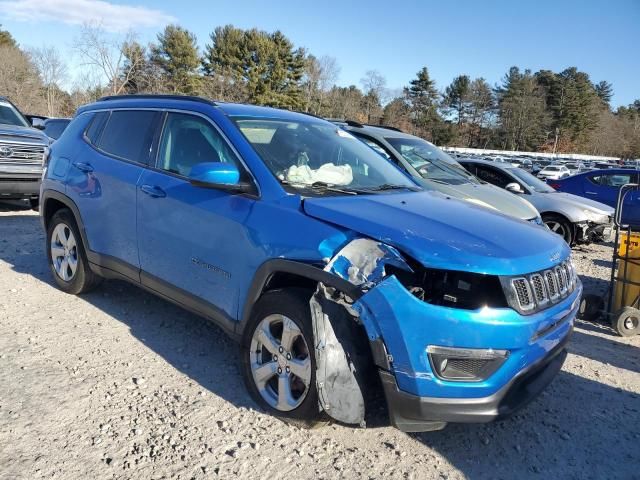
{"x":120,"y":384}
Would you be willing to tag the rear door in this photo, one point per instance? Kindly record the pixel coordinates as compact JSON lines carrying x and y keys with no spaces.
{"x":103,"y":179}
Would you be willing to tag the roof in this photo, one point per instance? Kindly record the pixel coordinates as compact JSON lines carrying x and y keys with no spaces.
{"x":231,"y":109}
{"x":485,"y":162}
{"x":381,"y":131}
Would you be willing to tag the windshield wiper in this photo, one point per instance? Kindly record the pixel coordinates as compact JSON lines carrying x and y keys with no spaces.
{"x":392,"y":186}
{"x":324,"y":187}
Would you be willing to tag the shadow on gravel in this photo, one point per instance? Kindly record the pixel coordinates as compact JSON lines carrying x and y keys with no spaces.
{"x":603,"y":350}
{"x":578,"y":428}
{"x":14,"y":206}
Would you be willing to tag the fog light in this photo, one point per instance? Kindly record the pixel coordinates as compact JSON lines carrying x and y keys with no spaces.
{"x":465,"y":364}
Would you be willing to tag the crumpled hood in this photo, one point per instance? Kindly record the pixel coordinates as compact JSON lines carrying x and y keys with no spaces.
{"x":493,"y":197}
{"x":442,"y":232}
{"x":14,"y":133}
{"x":582,"y":202}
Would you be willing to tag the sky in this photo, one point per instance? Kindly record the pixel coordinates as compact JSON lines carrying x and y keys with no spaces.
{"x":480,"y":38}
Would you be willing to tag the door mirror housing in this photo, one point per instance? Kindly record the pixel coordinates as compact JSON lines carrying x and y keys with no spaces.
{"x":217,"y":175}
{"x":514,"y":187}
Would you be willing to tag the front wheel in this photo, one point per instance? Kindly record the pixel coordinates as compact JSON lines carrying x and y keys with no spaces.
{"x":560,"y":226}
{"x":278,"y":358}
{"x":67,"y":256}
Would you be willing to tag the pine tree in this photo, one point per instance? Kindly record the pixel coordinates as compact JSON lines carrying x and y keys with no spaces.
{"x":265,"y":65}
{"x":6,"y":39}
{"x":604,"y":90}
{"x":456,"y":97}
{"x":176,"y":55}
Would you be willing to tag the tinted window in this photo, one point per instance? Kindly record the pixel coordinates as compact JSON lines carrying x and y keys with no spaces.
{"x":616,"y":180}
{"x":54,"y":128}
{"x":493,"y":176}
{"x":10,"y":116}
{"x":96,"y":126}
{"x":188,"y":140}
{"x":129,"y":134}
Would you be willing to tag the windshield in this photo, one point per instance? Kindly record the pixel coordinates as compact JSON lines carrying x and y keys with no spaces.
{"x":431,"y":162}
{"x":552,"y":169}
{"x":318,"y":154}
{"x":530,"y":181}
{"x":10,"y":116}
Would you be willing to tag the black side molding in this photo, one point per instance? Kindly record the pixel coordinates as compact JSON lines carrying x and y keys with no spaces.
{"x":278,"y":265}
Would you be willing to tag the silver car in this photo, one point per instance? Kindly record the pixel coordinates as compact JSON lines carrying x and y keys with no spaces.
{"x":436,"y":170}
{"x":577,"y":219}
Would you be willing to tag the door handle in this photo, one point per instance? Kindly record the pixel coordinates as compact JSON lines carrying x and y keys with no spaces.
{"x":153,"y":191}
{"x":85,"y":167}
{"x":591,"y":193}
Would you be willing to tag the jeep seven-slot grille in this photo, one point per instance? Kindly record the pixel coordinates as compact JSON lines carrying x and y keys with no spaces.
{"x":14,"y":152}
{"x":535,"y":291}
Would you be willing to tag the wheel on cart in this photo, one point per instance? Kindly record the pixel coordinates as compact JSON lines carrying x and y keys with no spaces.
{"x":590,"y":307}
{"x":627,"y":322}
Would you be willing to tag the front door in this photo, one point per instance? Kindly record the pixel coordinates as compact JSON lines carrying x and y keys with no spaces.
{"x":192,"y":239}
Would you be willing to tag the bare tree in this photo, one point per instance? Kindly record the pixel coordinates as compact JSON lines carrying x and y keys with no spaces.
{"x":19,"y":80}
{"x":320,"y":75}
{"x":373,"y":84}
{"x":53,"y":72}
{"x":107,"y":54}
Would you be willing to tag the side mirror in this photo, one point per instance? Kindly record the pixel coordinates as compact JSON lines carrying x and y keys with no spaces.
{"x":514,"y":187}
{"x":221,"y":176}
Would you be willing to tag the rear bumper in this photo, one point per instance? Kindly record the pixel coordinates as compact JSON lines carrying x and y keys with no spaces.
{"x":411,"y":413}
{"x":19,"y":185}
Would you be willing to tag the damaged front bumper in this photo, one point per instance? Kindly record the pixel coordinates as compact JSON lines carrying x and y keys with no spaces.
{"x":594,"y":232}
{"x":417,"y":399}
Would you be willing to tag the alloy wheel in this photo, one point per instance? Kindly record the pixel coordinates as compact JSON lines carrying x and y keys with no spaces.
{"x":64,"y":252}
{"x":280,"y":362}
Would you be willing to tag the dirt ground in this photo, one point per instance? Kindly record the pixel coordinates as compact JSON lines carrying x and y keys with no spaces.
{"x":120,"y":384}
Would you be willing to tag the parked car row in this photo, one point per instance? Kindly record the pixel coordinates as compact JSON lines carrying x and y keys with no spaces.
{"x":343,"y":258}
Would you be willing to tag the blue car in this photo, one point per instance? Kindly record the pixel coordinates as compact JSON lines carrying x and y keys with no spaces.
{"x":603,"y":186}
{"x":337,"y":274}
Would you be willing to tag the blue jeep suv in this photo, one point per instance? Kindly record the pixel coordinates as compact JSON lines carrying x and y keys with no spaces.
{"x":336,"y":273}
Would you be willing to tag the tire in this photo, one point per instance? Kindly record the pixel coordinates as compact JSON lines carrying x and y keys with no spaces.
{"x":627,"y":322}
{"x":265,"y":371}
{"x":64,"y":250}
{"x":560,"y":225}
{"x":590,"y":307}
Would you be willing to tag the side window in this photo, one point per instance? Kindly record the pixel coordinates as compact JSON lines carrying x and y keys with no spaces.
{"x":188,"y":140}
{"x":493,"y":176}
{"x":471,"y":168}
{"x":95,"y":127}
{"x":613,"y":180}
{"x":129,"y":134}
{"x":373,"y":144}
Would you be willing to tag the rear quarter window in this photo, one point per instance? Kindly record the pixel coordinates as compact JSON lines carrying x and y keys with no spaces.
{"x":129,"y":134}
{"x":95,"y":127}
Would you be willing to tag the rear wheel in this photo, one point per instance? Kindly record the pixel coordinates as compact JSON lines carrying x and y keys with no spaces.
{"x":67,"y":256}
{"x":560,"y":226}
{"x":278,"y":357}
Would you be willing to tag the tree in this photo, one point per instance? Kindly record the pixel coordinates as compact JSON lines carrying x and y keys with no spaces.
{"x":604,"y":90}
{"x":481,"y":105}
{"x":265,"y":65}
{"x":572,"y":103}
{"x":422,"y":97}
{"x":53,"y":72}
{"x":373,"y":84}
{"x":19,"y":80}
{"x":319,"y":76}
{"x":397,"y":113}
{"x":106,"y":54}
{"x":6,"y":39}
{"x":456,"y":97}
{"x":176,"y":55}
{"x":522,"y":114}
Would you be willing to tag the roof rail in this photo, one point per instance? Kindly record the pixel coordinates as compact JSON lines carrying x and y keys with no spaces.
{"x":388,"y":127}
{"x":156,"y":96}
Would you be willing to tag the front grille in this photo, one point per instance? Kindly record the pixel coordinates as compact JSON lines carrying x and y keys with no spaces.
{"x":30,"y":154}
{"x":535,"y":291}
